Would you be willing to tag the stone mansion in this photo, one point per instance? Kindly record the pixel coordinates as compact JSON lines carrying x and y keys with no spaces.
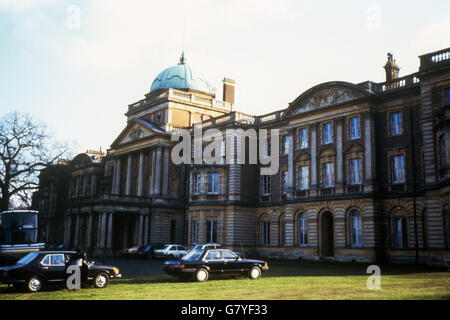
{"x":364,"y":173}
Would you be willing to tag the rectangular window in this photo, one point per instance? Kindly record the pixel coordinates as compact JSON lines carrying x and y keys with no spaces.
{"x":284,"y":181}
{"x":396,"y":124}
{"x":328,"y":133}
{"x":355,"y":132}
{"x":196,"y":183}
{"x":265,"y":233}
{"x":285,"y":145}
{"x":355,"y":171}
{"x":194,"y":231}
{"x":211,"y":231}
{"x":213,"y":183}
{"x":266,"y":185}
{"x":401,"y":234}
{"x":302,"y":138}
{"x":328,"y":175}
{"x":303,"y":178}
{"x":398,"y":169}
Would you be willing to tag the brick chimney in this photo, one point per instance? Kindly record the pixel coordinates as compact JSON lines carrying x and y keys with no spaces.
{"x":228,"y":90}
{"x":391,"y":67}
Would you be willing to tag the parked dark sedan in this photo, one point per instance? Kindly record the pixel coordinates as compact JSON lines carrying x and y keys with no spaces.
{"x":38,"y":269}
{"x":201,"y":264}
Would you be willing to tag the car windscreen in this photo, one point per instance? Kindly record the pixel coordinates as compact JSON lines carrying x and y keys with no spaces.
{"x":28,"y":258}
{"x":193,"y":255}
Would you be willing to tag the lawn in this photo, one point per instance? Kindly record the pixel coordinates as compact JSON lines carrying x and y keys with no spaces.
{"x":287,"y":280}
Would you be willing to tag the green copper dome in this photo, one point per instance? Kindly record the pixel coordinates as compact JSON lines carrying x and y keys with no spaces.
{"x":180,"y":77}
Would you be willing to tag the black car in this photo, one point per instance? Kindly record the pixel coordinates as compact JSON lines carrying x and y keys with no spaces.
{"x":201,"y":264}
{"x":38,"y":269}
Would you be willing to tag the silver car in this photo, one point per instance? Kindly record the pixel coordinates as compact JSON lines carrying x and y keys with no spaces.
{"x":170,"y":251}
{"x":205,"y":246}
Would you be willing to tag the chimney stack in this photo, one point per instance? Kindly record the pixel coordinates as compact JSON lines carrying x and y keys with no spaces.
{"x":228,"y":90}
{"x":391,"y":67}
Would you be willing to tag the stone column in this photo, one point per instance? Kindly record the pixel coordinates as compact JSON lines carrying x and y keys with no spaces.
{"x":146,"y":229}
{"x":110,"y":231}
{"x":117,"y":177}
{"x":99,"y":229}
{"x":152,"y":184}
{"x":89,"y":232}
{"x":291,"y":166}
{"x":369,"y":154}
{"x":339,"y":156}
{"x":85,"y":177}
{"x":94,"y":185}
{"x":77,"y":186}
{"x":103,"y":231}
{"x":77,"y":230}
{"x":141,"y":230}
{"x":158,"y":171}
{"x":141,"y":175}
{"x":128,"y":183}
{"x":314,"y":184}
{"x":68,"y":231}
{"x":125,"y":234}
{"x":165,"y":169}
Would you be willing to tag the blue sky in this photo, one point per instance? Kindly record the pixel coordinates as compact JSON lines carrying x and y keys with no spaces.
{"x":80,"y":80}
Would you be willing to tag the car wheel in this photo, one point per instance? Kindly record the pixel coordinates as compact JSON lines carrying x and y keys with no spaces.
{"x":101,"y":280}
{"x":171,"y":257}
{"x":255,"y":273}
{"x":201,"y":275}
{"x":35,"y":284}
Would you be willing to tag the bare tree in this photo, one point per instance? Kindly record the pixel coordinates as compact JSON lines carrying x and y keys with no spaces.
{"x":25,"y":148}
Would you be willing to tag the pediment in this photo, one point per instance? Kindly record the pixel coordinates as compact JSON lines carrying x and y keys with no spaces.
{"x":303,"y":155}
{"x":354,"y":148}
{"x":136,"y":133}
{"x":327,"y":152}
{"x":137,"y":130}
{"x":326,"y":95}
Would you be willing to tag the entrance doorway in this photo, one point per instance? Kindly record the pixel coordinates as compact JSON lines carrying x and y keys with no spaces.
{"x":327,"y":235}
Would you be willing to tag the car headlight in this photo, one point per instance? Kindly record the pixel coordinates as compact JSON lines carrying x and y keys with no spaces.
{"x":116,"y":271}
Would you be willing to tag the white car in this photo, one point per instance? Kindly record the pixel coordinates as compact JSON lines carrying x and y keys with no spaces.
{"x":204,"y":246}
{"x":170,"y":251}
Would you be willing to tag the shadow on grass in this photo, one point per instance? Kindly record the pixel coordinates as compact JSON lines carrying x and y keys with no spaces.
{"x":283,"y":268}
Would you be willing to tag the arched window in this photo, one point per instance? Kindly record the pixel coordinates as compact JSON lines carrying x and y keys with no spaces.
{"x":302,"y":229}
{"x":400,"y":232}
{"x":265,"y":231}
{"x":355,"y":228}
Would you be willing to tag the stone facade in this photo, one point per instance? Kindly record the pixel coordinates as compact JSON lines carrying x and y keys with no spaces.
{"x":363,"y":175}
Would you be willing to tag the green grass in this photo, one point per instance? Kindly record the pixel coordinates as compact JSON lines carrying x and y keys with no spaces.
{"x":293,"y":280}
